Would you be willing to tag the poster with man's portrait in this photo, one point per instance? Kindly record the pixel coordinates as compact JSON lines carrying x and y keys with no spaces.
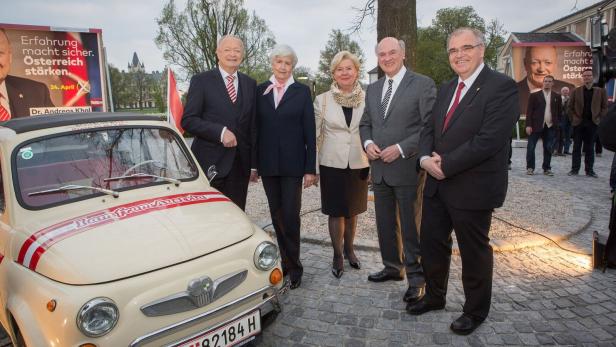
{"x":47,"y":71}
{"x":533,"y":61}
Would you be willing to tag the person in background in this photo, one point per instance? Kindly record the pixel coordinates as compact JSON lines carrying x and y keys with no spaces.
{"x":564,"y":134}
{"x":286,"y":152}
{"x":587,"y":106}
{"x":343,"y":165}
{"x":542,"y":119}
{"x":17,"y":94}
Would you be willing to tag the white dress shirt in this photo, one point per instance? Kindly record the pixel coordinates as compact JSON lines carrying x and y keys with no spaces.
{"x":397,"y":79}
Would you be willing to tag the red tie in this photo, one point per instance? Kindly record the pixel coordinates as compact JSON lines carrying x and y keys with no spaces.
{"x":456,"y":101}
{"x":4,"y":113}
{"x":231,"y":88}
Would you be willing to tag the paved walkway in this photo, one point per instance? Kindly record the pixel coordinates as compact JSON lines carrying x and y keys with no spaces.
{"x":542,"y":294}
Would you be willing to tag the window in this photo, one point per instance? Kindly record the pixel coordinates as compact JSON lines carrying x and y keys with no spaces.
{"x":76,"y":166}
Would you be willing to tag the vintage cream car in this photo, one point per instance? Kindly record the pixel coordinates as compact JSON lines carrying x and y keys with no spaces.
{"x":110,"y":235}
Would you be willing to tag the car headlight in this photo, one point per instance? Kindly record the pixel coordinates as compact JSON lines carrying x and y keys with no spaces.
{"x":266,"y":256}
{"x":97,"y":317}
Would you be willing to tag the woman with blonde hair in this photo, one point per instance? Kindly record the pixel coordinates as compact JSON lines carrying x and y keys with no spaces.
{"x":343,"y":165}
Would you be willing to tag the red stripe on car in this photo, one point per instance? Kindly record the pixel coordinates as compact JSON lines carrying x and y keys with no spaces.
{"x":36,"y":245}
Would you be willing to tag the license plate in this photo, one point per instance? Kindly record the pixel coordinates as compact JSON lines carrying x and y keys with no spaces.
{"x":229,"y":334}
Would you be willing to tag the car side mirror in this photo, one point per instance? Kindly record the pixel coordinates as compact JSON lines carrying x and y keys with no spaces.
{"x":211,"y":172}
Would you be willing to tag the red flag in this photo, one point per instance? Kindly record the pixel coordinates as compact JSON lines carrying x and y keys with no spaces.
{"x":174,"y":104}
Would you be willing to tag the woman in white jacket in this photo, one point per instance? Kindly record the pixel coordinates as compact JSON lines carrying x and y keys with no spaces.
{"x":342,"y":163}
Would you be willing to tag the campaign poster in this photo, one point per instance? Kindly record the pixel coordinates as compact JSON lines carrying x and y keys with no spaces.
{"x":565,"y":61}
{"x":47,"y":70}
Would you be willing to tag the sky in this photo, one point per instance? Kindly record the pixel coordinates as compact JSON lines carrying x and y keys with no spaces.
{"x":130,"y":26}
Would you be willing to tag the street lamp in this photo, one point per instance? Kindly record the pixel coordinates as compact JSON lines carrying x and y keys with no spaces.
{"x":314,"y":84}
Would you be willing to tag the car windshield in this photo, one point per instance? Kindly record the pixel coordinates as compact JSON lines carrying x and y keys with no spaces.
{"x":79,"y":165}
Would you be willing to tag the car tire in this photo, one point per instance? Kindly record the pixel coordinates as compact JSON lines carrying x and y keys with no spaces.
{"x":19,"y":338}
{"x":268,"y":319}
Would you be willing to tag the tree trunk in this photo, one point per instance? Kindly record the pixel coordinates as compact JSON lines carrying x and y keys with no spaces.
{"x":398,"y":18}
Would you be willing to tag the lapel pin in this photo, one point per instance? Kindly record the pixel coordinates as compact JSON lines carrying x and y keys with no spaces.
{"x":478,"y":88}
{"x":21,"y":96}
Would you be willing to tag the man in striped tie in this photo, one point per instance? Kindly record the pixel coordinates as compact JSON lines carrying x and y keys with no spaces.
{"x":396,"y":106}
{"x":220,"y":113}
{"x":17,"y":94}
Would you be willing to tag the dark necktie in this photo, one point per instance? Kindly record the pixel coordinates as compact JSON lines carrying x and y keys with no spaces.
{"x":386,"y":97}
{"x":456,"y":101}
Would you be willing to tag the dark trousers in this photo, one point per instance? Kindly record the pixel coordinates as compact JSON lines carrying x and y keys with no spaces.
{"x":613,"y":174}
{"x":471,"y":228}
{"x":397,"y":231}
{"x":564,"y":136}
{"x":547,"y":137}
{"x":585,"y":133}
{"x":234,"y":185}
{"x":284,"y":197}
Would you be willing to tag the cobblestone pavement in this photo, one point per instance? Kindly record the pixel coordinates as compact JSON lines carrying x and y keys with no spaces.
{"x":541,"y":296}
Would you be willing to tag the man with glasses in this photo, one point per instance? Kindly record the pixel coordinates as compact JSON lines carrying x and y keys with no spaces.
{"x":464,"y":147}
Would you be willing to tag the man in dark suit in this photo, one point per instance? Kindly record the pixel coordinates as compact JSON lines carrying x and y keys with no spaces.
{"x":18,"y":95}
{"x":542,"y":119}
{"x":464,"y":148}
{"x":220,"y":113}
{"x":396,"y":107}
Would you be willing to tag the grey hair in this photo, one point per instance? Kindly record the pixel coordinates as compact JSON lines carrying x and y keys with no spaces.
{"x":400,"y":43}
{"x":230,"y":36}
{"x":283,"y":51}
{"x":479,"y":36}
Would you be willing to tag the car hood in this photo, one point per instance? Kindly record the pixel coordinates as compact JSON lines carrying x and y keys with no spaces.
{"x":135,"y":238}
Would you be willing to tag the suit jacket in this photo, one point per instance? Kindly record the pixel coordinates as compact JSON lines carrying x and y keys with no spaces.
{"x":598,"y":106}
{"x":24,"y":93}
{"x":535,"y":113}
{"x":524,"y":92}
{"x":607,"y":129}
{"x":475,"y":147}
{"x":209,"y":109}
{"x":287,"y":144}
{"x":341,"y":145}
{"x":409,"y":108}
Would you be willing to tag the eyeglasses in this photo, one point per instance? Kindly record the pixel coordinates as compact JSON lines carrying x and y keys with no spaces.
{"x":466,"y":49}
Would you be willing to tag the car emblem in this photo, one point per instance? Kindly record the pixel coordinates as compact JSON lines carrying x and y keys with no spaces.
{"x":201,"y":291}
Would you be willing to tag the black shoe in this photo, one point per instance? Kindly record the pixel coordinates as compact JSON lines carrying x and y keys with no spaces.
{"x":413,"y":294}
{"x":355,"y":264}
{"x":591,"y":174}
{"x":566,"y":153}
{"x":422,"y":306}
{"x":573,"y":173}
{"x":383,"y":276}
{"x":295,"y":283}
{"x":465,"y":324}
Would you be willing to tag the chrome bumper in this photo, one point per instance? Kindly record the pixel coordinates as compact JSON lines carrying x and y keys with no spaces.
{"x":269,"y":304}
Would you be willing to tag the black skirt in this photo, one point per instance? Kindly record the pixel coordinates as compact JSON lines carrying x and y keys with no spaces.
{"x":344,"y":192}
